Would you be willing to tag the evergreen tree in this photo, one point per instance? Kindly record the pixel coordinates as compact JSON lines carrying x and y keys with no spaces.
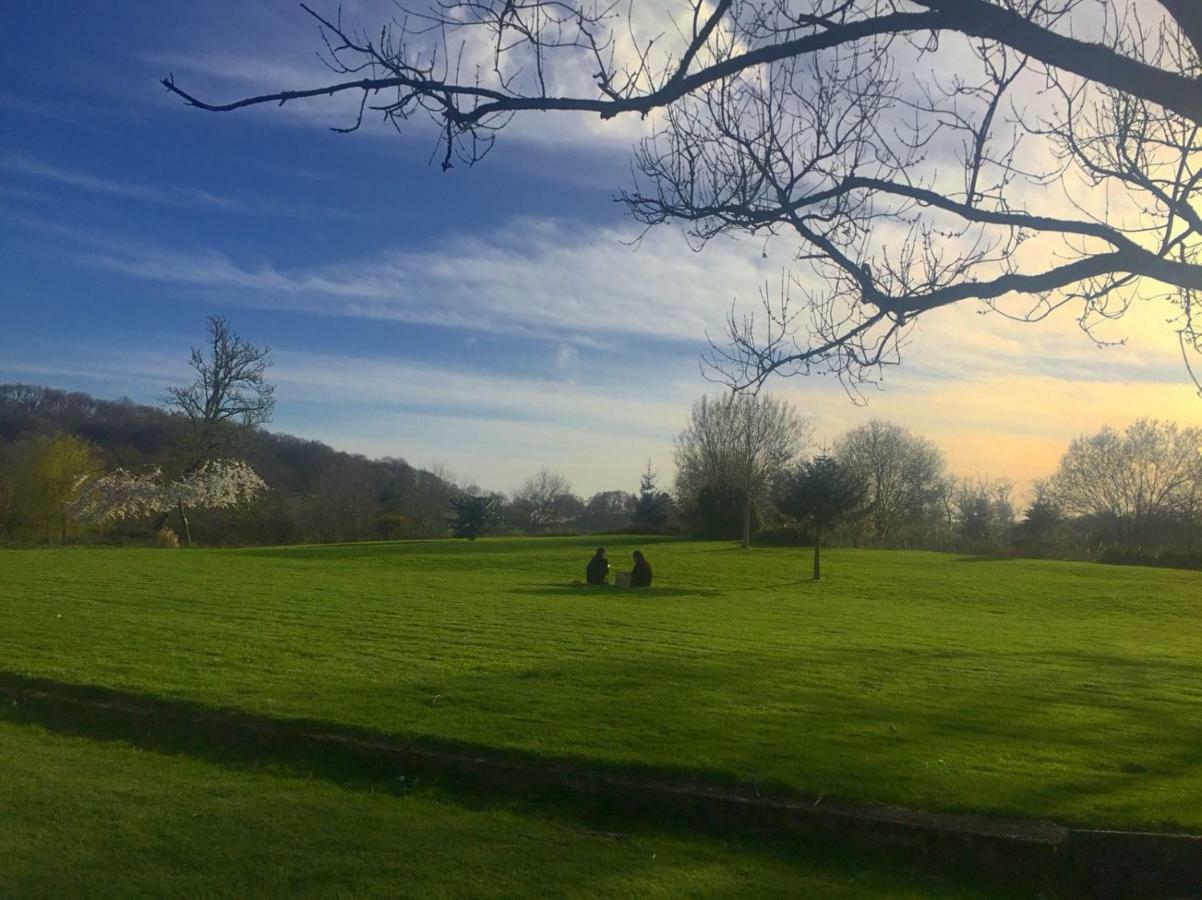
{"x":653,"y":507}
{"x":472,"y":516}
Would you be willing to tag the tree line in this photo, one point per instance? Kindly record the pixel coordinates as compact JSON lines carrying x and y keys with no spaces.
{"x":745,"y":464}
{"x":745,"y":468}
{"x":51,"y":439}
{"x":741,"y":463}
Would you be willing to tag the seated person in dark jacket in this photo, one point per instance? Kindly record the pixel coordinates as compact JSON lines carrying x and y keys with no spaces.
{"x":598,"y":568}
{"x":640,"y":575}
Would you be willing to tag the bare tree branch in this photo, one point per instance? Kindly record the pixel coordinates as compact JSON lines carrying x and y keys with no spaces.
{"x":919,"y":153}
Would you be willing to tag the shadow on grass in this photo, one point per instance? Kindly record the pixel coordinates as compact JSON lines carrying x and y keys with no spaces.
{"x":611,"y":592}
{"x":371,"y":761}
{"x":225,"y":734}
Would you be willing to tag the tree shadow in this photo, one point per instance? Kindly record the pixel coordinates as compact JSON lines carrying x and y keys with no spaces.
{"x":366,"y":760}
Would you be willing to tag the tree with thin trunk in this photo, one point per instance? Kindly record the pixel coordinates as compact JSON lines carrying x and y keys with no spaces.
{"x":740,"y":442}
{"x":1021,"y":155}
{"x":823,"y":493}
{"x":43,"y":479}
{"x":229,"y":394}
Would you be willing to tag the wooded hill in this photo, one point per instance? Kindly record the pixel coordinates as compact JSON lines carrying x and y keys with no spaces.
{"x":316,"y":493}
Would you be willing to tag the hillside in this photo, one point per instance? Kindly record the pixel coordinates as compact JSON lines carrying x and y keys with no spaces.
{"x":316,"y":493}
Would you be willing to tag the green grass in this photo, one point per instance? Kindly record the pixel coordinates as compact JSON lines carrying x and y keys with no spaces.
{"x":83,"y":818}
{"x":1039,"y":689}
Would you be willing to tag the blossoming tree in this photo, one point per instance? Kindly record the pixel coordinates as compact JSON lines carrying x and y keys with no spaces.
{"x":120,"y":494}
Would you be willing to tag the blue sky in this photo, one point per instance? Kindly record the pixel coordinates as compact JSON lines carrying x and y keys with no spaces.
{"x":492,"y":320}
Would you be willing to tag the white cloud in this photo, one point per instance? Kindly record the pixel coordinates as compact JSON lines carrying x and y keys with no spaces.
{"x":565,"y":356}
{"x":119,"y":188}
{"x":180,"y":197}
{"x":1002,"y":398}
{"x":534,"y":276}
{"x":498,"y":427}
{"x":587,"y":285}
{"x":990,"y":411}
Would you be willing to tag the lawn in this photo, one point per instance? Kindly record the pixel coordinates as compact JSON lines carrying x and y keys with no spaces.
{"x":88,"y":818}
{"x":1041,"y":689}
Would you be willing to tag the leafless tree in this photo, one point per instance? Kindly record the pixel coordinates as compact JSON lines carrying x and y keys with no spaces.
{"x":546,"y":499}
{"x":904,"y":478}
{"x":984,"y":510}
{"x":349,"y":499}
{"x":1134,"y":481}
{"x":739,"y":441}
{"x":920,"y":153}
{"x":231,"y":390}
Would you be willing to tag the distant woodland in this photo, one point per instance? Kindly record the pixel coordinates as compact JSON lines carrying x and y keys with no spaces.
{"x":48,"y":438}
{"x":1132,"y":496}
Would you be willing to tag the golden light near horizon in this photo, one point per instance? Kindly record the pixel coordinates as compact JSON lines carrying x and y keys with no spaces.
{"x":1003,"y":399}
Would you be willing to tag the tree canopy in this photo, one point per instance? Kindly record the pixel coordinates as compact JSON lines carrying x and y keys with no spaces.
{"x":473,"y":515}
{"x":823,"y":493}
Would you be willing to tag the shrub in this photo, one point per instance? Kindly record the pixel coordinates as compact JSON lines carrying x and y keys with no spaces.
{"x":167,"y":539}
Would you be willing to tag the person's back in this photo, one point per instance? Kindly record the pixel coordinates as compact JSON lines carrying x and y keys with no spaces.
{"x":597,"y":571}
{"x":640,"y":575}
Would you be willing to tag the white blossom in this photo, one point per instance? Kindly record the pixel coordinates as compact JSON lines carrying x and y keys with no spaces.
{"x":121,"y":494}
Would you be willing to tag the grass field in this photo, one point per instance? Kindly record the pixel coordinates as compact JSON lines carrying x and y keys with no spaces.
{"x":87,"y":818}
{"x":1039,"y":689}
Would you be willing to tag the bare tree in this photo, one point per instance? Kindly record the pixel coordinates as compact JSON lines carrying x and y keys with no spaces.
{"x":348,"y":496}
{"x":740,"y":441}
{"x":610,"y":511}
{"x":1131,"y":483}
{"x":546,"y":500}
{"x":231,"y":390}
{"x":984,"y":510}
{"x":920,"y":153}
{"x":903,"y":475}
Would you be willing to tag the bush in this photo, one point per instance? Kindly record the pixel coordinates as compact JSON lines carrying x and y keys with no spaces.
{"x":166,"y":538}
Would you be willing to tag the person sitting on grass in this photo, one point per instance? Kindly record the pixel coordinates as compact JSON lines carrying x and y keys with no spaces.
{"x":640,"y":575}
{"x":597,"y":571}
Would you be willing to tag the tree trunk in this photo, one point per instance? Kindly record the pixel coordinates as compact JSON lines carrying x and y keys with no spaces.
{"x":747,"y":521}
{"x":817,"y":554}
{"x":183,"y":518}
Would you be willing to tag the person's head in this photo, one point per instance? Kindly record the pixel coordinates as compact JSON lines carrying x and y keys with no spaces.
{"x":638,"y":555}
{"x":600,"y":551}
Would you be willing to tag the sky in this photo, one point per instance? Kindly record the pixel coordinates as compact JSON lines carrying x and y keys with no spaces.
{"x":489,"y":320}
